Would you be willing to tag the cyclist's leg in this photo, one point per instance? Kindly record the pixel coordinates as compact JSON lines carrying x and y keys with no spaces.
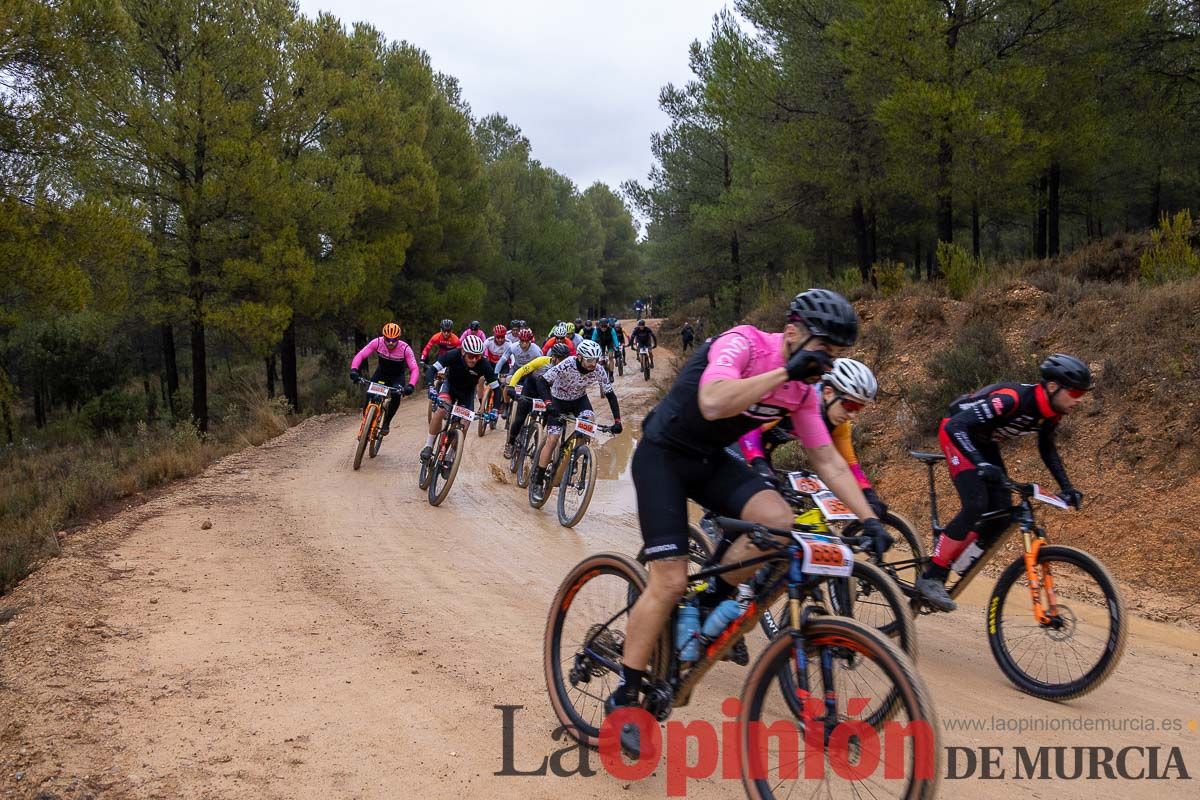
{"x":554,"y":427}
{"x":734,"y":489}
{"x":393,"y":405}
{"x":660,"y":479}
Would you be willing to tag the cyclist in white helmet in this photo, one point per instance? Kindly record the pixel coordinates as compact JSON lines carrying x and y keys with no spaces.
{"x":845,"y":390}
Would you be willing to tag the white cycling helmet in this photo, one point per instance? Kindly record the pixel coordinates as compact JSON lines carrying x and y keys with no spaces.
{"x":559,"y":331}
{"x":472,"y":344}
{"x":589,"y":349}
{"x":853,"y":379}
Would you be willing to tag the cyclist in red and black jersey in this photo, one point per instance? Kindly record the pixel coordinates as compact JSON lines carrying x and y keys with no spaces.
{"x":441,"y":342}
{"x":971,"y":436}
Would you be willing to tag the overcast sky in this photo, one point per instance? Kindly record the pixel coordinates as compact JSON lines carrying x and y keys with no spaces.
{"x":580,"y":77}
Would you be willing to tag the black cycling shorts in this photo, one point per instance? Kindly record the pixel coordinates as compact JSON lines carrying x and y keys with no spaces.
{"x":666,"y":479}
{"x":557,"y":408}
{"x":462,"y":397}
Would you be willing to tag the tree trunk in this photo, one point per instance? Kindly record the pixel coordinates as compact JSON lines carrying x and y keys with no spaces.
{"x":917,"y":258}
{"x":170,"y":368}
{"x":6,"y":415}
{"x":360,"y":340}
{"x":735,"y":261}
{"x":269,"y":361}
{"x":199,"y":375}
{"x":39,"y":405}
{"x":858,"y":218}
{"x":150,"y":410}
{"x":930,"y":270}
{"x":1052,"y":209}
{"x":1156,"y":208}
{"x":829,"y":249}
{"x":975,"y":228}
{"x":287,"y":361}
{"x":1039,"y":247}
{"x":873,"y":241}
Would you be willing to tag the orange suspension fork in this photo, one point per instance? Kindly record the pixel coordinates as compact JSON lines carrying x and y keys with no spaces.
{"x":1032,"y":546}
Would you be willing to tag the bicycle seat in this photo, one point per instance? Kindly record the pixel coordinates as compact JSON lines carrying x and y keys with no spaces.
{"x":927,"y":458}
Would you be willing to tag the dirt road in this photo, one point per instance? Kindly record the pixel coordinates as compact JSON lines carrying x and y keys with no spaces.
{"x":284,"y":627}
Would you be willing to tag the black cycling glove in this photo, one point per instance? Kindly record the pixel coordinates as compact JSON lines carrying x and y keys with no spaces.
{"x":808,"y":365}
{"x":881,"y":540}
{"x":1071,"y":496}
{"x":878,"y":506}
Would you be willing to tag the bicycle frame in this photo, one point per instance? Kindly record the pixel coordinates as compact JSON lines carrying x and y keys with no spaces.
{"x":787,"y":577}
{"x":1033,"y":538}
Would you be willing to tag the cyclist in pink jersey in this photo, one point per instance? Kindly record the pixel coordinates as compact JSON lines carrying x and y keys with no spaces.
{"x":731,"y":385}
{"x":394,"y":356}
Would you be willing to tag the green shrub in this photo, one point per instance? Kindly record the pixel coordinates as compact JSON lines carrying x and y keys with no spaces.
{"x":961,"y":271}
{"x":977,"y":357}
{"x":1171,"y":256}
{"x":846,"y":282}
{"x":890,"y":275}
{"x":113,"y":410}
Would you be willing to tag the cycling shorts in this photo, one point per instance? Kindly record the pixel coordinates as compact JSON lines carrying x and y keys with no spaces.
{"x":462,"y":397}
{"x":557,"y":408}
{"x":665,"y":479}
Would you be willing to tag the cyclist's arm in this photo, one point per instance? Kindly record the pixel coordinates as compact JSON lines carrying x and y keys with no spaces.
{"x":836,"y":474}
{"x":503,"y":360}
{"x":844,"y":444}
{"x":489,"y":375}
{"x":532,"y":366}
{"x":1049,"y":452}
{"x":723,"y":391}
{"x":653,"y":338}
{"x":410,"y":361}
{"x":362,"y":355}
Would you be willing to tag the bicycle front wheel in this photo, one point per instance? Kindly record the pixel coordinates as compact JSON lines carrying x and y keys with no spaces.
{"x":527,"y":452}
{"x":444,"y":468}
{"x":850,"y":672}
{"x":365,"y":432}
{"x":578,"y":483}
{"x":1080,"y":645}
{"x":870,"y":596}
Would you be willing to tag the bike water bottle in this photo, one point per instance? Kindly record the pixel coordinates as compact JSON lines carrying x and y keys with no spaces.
{"x":968,"y":555}
{"x":721,"y":616}
{"x":687,"y":631}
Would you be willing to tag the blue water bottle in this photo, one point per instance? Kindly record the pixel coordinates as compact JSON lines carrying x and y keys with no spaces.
{"x":687,"y":630}
{"x":726,"y":612}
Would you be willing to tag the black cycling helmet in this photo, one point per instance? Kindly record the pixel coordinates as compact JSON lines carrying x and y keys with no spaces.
{"x":1067,"y":371}
{"x":604,"y":323}
{"x":579,"y":322}
{"x":641,"y":323}
{"x":447,"y":324}
{"x":560,"y":351}
{"x":826,"y":314}
{"x":475,"y":325}
{"x":515,"y":324}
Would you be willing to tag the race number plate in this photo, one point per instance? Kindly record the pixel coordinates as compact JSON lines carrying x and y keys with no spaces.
{"x":585,"y":426}
{"x":806,"y":484}
{"x":539,"y":405}
{"x":378,"y":388}
{"x":518,"y":389}
{"x":831,"y":507}
{"x":1048,"y":499}
{"x":462,"y":412}
{"x":825,"y":555}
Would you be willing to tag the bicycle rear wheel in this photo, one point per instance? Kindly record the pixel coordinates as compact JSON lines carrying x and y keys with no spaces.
{"x":575,"y":490}
{"x":364,"y":432}
{"x":585,"y":639}
{"x":444,"y":469}
{"x":1083,"y":642}
{"x":847,"y":663}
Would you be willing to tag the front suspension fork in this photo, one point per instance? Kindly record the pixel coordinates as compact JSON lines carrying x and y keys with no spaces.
{"x":1037,"y":583}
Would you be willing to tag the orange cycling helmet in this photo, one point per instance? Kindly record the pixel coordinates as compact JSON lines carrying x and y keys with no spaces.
{"x":391,"y":331}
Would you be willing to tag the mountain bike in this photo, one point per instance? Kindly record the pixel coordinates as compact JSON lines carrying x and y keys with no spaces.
{"x":644,"y":361}
{"x":491,"y":412}
{"x":525,"y":454}
{"x":820,"y":670}
{"x":574,"y":461}
{"x":370,"y":431}
{"x":620,"y":359}
{"x":439,"y":470}
{"x":1056,"y":621}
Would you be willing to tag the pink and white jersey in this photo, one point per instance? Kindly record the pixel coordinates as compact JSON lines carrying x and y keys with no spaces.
{"x":391,"y":361}
{"x":492,"y":350}
{"x":740,"y":352}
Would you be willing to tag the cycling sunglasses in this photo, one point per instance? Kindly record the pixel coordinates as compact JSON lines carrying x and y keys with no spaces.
{"x":851,"y":406}
{"x":1077,"y":393}
{"x":472,"y":356}
{"x":391,"y":342}
{"x":590,"y":362}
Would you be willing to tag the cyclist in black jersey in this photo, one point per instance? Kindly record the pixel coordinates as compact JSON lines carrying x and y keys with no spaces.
{"x":971,"y":434}
{"x":460,"y":371}
{"x":642,"y":336}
